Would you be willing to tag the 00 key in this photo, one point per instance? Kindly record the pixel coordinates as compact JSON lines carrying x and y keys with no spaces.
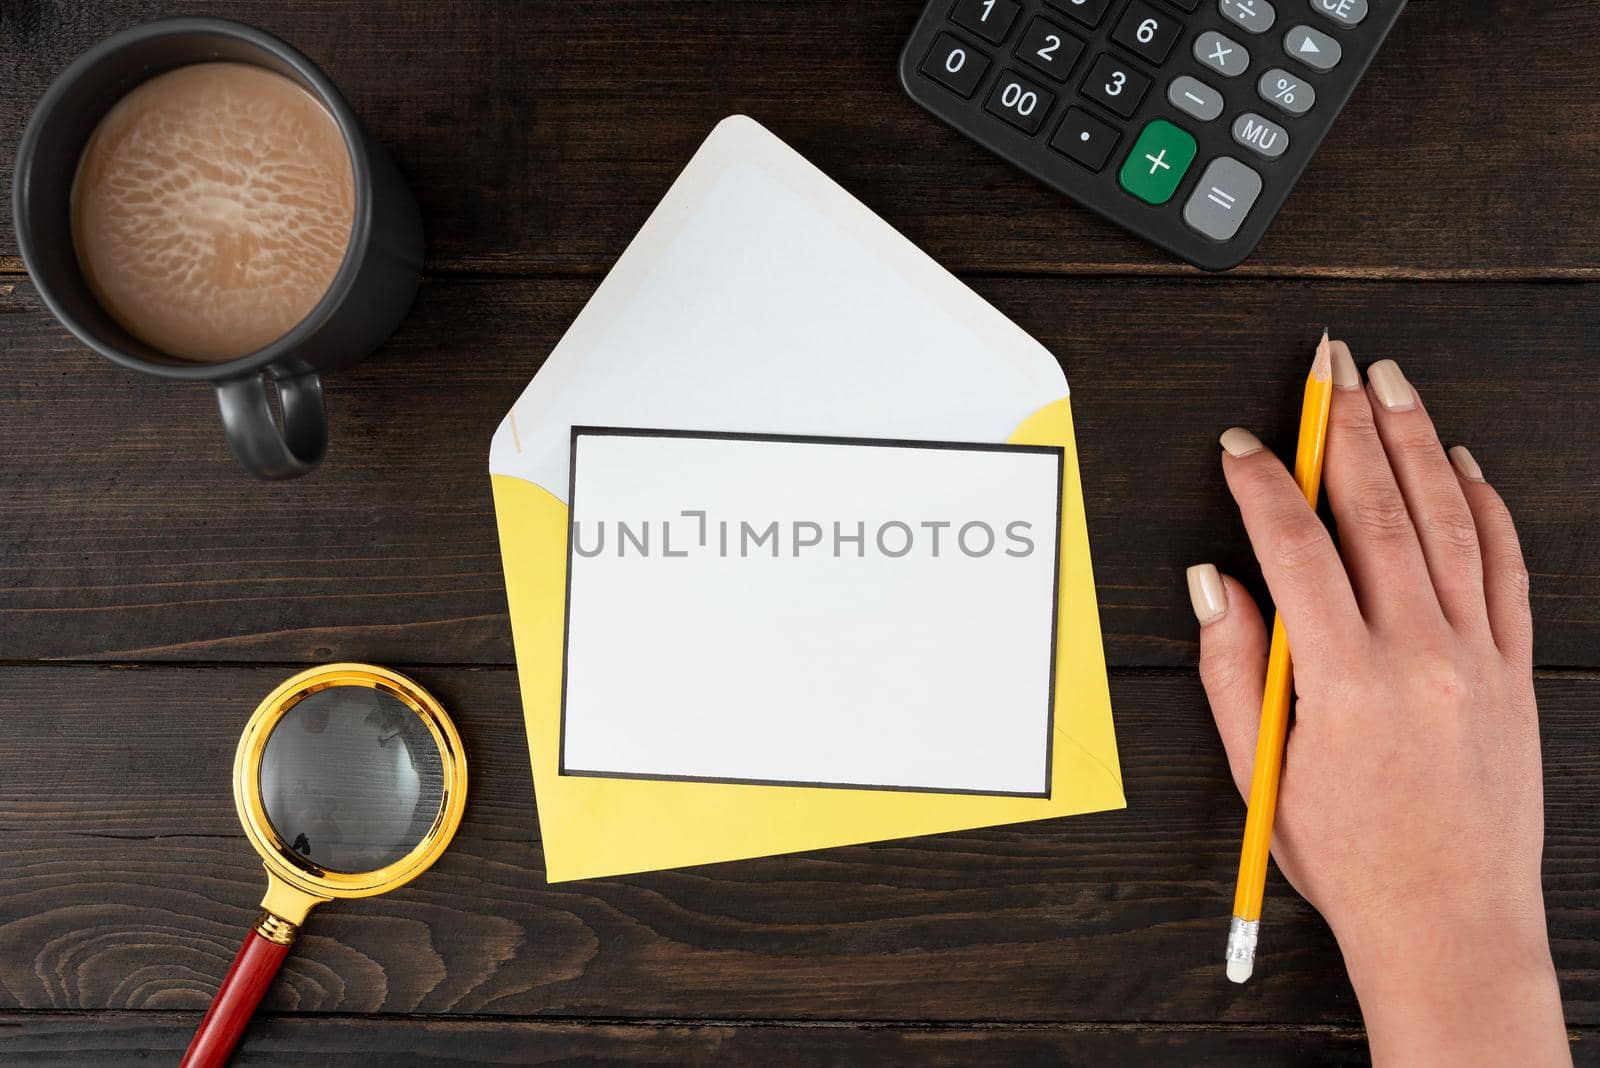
{"x":1019,"y":102}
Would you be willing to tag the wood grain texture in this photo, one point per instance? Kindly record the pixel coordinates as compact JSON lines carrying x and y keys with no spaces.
{"x":127,"y":884}
{"x":132,"y":1038}
{"x":129,"y":532}
{"x":538,"y":136}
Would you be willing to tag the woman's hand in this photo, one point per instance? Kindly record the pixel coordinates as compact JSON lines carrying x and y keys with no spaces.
{"x":1411,"y":808}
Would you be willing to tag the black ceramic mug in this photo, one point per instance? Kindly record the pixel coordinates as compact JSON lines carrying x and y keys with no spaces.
{"x":369,"y":295}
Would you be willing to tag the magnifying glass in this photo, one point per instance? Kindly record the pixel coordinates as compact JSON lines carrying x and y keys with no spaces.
{"x":350,"y":781}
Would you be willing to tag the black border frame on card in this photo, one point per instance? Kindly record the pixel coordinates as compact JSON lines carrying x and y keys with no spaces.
{"x":812,"y":439}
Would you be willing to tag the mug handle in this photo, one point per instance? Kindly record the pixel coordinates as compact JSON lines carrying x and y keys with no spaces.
{"x":261,"y":446}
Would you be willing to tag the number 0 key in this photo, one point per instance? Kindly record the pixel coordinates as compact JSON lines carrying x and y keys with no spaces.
{"x":955,"y":65}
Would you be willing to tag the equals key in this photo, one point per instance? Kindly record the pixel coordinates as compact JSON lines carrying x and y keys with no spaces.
{"x":1224,"y":196}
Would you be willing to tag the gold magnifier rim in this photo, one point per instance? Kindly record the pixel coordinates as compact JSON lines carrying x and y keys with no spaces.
{"x":281,"y":861}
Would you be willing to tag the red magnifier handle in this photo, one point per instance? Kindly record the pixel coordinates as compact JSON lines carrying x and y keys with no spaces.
{"x":253,"y":970}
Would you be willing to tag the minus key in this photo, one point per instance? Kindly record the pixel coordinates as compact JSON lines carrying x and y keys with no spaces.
{"x":1194,"y":97}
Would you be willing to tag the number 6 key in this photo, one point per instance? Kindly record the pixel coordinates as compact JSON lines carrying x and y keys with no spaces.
{"x":1147,"y":33}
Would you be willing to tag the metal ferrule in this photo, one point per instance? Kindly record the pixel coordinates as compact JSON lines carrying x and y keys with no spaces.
{"x":276,"y":929}
{"x":1242,"y":939}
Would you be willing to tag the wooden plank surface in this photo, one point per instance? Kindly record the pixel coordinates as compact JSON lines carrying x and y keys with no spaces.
{"x":132,"y":1038}
{"x":176,"y":593}
{"x":129,"y":533}
{"x":538,"y":136}
{"x":128,"y":884}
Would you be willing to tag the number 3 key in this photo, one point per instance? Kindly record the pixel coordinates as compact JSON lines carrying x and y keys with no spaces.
{"x":1112,"y":85}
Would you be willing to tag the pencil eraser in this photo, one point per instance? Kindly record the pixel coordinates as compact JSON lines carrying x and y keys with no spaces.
{"x":1239,"y":970}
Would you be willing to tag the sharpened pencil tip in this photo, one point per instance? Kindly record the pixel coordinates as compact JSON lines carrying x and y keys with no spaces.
{"x":1322,"y":366}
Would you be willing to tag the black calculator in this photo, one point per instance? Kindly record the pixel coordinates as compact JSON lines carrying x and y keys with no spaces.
{"x":1186,"y":121}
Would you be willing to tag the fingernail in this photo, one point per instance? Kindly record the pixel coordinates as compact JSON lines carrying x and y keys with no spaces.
{"x":1207,"y":594}
{"x":1393,"y":391}
{"x":1465,"y":465}
{"x":1345,"y":375}
{"x":1240,"y":442}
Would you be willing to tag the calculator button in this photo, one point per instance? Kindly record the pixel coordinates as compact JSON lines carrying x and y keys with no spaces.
{"x":1222,"y":54}
{"x":1147,"y":33}
{"x":1158,"y":162}
{"x":1251,"y":16}
{"x":1088,"y":12}
{"x":955,"y":65}
{"x":1019,"y":102}
{"x":1313,"y":48}
{"x":1261,"y":136}
{"x":1286,"y":91}
{"x":1112,"y":84}
{"x":1344,"y":12}
{"x":1048,"y":48}
{"x":1194,"y":97}
{"x":1223,"y":197}
{"x":1086,"y":139}
{"x":989,"y":19}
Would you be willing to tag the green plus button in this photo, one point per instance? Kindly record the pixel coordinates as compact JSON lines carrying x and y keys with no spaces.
{"x":1158,"y":161}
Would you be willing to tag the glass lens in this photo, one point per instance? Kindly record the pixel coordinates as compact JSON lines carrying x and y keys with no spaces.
{"x":351,"y":778}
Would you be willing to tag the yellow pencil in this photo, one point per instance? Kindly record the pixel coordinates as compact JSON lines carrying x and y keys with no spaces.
{"x":1246,"y":923}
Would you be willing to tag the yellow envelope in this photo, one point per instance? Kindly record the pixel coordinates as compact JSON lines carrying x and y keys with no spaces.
{"x":762,"y":297}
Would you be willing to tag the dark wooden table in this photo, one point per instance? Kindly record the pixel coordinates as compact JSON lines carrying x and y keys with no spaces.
{"x":152,"y":594}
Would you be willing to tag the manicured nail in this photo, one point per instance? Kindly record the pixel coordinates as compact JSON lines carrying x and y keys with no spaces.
{"x":1345,"y":375}
{"x":1207,"y":594}
{"x":1393,"y":391}
{"x":1465,"y":465}
{"x":1240,"y":442}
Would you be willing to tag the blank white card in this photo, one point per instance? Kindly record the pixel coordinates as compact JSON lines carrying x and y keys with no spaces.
{"x":811,"y":611}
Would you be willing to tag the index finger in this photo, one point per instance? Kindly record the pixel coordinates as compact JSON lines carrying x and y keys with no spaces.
{"x":1307,"y":579}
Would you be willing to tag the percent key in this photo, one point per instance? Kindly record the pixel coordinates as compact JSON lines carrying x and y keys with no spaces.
{"x":1283,"y":90}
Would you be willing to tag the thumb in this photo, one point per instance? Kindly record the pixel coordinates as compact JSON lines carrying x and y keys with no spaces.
{"x":1233,"y":663}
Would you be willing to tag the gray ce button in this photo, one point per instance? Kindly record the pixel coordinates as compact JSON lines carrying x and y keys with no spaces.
{"x":1344,"y":12}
